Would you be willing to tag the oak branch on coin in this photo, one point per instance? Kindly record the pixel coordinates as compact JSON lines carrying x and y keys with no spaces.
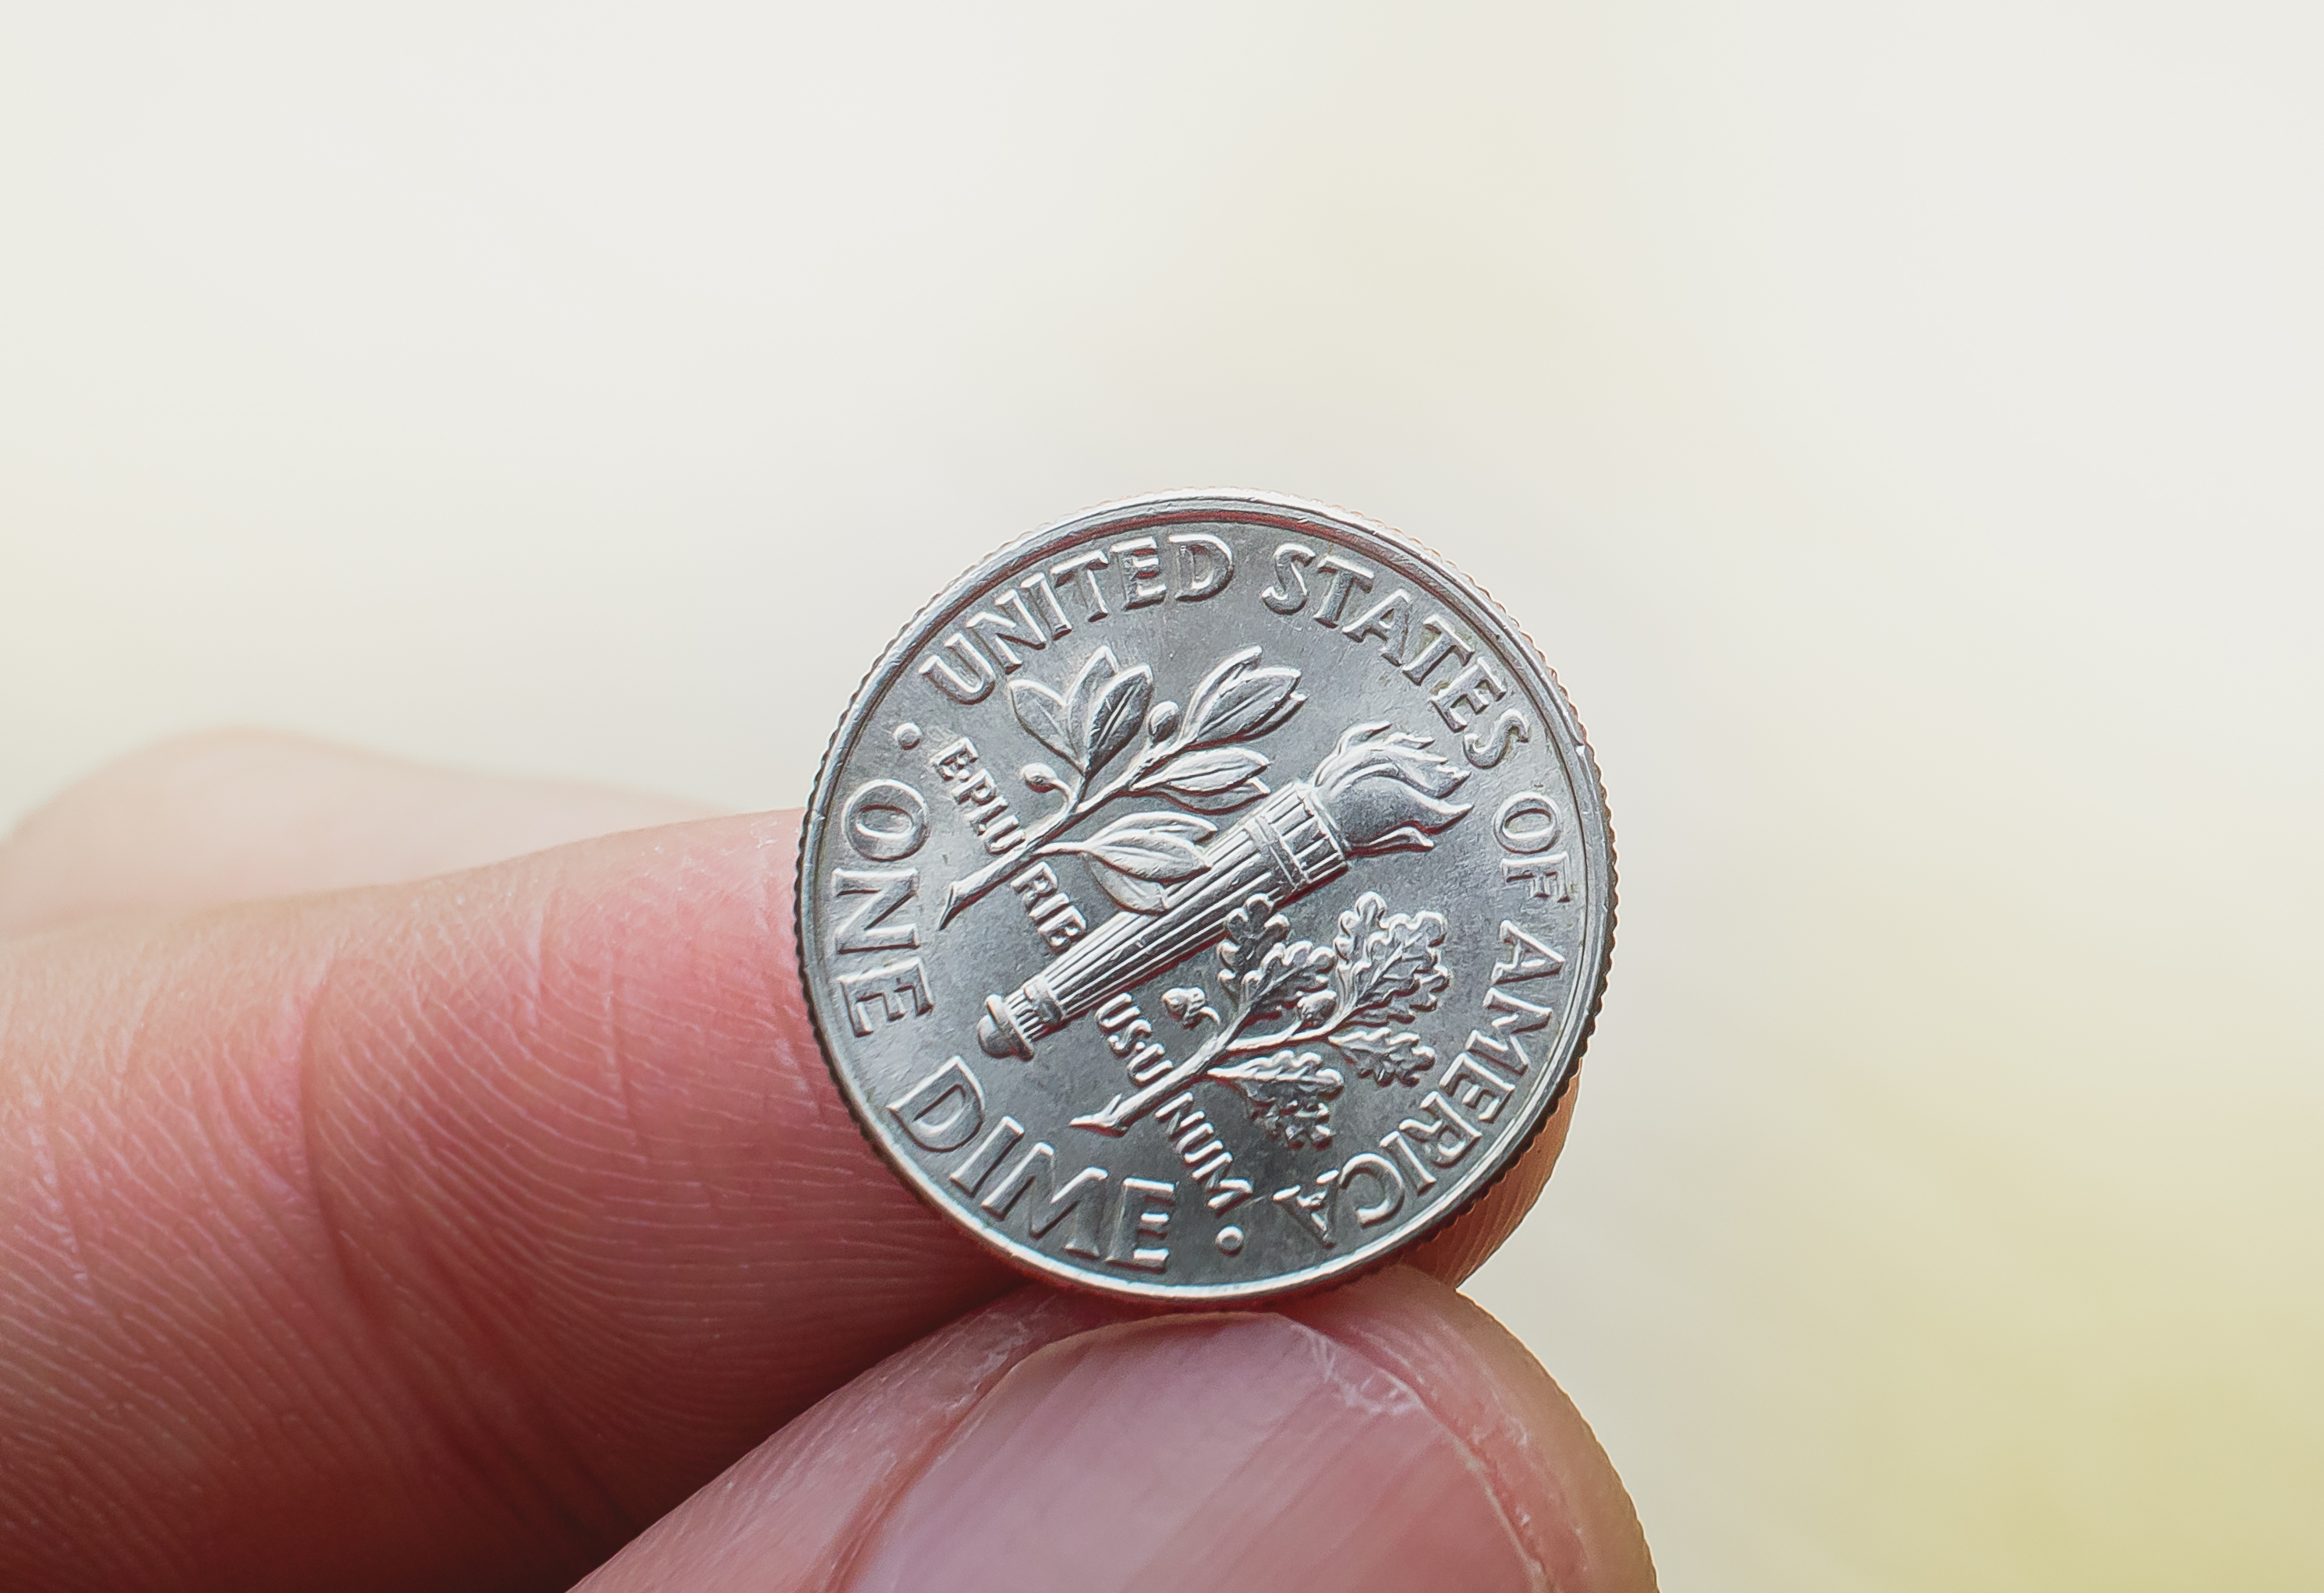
{"x":1295,"y":992}
{"x":1188,"y":756}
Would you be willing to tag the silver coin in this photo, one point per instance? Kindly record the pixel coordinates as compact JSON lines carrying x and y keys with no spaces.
{"x":1205,"y":898}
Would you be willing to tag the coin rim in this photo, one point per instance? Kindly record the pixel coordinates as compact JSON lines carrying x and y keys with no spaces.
{"x":1393,"y":548}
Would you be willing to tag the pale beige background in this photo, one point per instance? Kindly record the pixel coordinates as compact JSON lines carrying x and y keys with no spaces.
{"x":1899,"y":423}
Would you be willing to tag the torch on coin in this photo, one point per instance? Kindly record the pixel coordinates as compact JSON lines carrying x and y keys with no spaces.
{"x":1379,"y":790}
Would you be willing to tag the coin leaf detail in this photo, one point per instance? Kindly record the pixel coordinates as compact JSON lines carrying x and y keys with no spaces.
{"x":1239,"y":701}
{"x":1133,"y":859}
{"x":1386,"y":1055}
{"x":1042,"y":712}
{"x":1290,"y":1094}
{"x":1287,"y":974}
{"x":1212,"y":779}
{"x":1106,"y":708}
{"x":1389,"y":965}
{"x":1149,"y":846}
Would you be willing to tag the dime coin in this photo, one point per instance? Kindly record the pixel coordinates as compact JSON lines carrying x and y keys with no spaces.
{"x":1205,"y":898}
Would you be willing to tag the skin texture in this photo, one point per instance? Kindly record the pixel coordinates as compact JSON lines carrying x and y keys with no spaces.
{"x":1247,"y":1441}
{"x":376,"y":1216}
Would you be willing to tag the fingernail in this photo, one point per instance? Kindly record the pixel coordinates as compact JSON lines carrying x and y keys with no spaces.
{"x":1245,"y":1452}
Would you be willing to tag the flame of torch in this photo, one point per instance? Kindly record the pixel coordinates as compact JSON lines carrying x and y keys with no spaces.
{"x":1378,"y":791}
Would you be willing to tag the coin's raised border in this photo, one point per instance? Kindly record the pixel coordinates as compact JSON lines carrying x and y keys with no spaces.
{"x":1418,"y":564}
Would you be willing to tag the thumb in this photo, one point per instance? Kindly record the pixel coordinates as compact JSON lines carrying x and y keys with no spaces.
{"x":1385,"y":1437}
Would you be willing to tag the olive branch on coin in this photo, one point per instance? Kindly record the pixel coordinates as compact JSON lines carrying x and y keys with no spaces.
{"x":1188,"y":756}
{"x":1381,"y":970}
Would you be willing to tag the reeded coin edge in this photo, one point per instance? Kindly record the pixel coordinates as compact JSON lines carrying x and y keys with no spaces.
{"x":1396,"y":549}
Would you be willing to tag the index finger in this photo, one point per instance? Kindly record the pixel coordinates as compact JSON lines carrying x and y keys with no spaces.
{"x":428,"y":1232}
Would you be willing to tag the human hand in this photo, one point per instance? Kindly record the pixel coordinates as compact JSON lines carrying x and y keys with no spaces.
{"x":377,"y":1214}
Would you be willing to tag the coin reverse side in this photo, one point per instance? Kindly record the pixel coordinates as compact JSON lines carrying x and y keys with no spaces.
{"x":1205,"y":898}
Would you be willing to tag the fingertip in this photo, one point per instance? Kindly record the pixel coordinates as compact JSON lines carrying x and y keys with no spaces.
{"x":1388,"y":1436}
{"x":1551,"y":1474}
{"x":793,"y":1514}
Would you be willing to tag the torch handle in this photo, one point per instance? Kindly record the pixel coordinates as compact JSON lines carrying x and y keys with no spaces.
{"x":1282,"y":851}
